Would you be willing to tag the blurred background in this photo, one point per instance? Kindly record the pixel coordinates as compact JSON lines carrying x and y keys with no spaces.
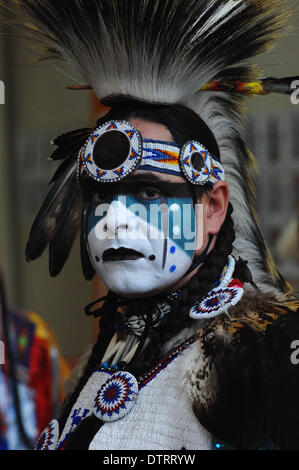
{"x":38,"y":108}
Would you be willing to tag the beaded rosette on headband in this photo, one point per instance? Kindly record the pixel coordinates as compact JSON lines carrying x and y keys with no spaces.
{"x":129,"y":151}
{"x":194,"y":53}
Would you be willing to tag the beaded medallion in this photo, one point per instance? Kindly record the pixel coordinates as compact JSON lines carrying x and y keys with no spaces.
{"x":198,"y":165}
{"x":218,"y":301}
{"x":128,"y":163}
{"x":49,"y":437}
{"x":227,"y":293}
{"x":116,"y":397}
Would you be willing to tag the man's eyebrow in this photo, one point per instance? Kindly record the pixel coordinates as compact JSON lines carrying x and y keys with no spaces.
{"x":132,"y":183}
{"x":144,"y":177}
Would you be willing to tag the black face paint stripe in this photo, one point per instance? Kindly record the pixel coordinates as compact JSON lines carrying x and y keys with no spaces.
{"x":164,"y":211}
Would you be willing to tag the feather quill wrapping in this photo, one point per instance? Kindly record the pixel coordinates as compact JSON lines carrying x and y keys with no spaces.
{"x":165,"y":51}
{"x":262,"y":87}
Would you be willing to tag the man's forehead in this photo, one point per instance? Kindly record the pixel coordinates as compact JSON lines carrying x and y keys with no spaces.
{"x":154,"y":176}
{"x":152,"y":130}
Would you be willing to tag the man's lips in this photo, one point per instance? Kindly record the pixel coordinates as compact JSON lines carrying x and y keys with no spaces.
{"x":121,"y":254}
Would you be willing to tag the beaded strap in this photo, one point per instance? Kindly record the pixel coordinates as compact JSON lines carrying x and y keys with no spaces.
{"x":146,"y":378}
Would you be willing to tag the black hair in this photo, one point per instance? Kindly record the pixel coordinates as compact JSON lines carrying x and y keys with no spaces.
{"x":184,"y":125}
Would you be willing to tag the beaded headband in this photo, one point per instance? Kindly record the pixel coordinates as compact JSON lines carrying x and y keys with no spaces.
{"x":116,"y":149}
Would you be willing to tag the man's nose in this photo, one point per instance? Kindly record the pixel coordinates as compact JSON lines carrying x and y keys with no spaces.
{"x":119,"y":220}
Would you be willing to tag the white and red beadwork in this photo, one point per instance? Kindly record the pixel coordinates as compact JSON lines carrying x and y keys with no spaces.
{"x":218,"y":301}
{"x":116,"y":397}
{"x":147,"y":154}
{"x":48,"y":439}
{"x":211,"y":171}
{"x":131,"y":160}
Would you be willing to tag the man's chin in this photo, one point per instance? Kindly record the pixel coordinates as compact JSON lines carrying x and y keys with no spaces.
{"x":134,"y":293}
{"x":137,"y":288}
{"x":124,"y":280}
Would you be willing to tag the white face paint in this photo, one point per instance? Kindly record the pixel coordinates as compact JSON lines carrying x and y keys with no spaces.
{"x":155,"y":239}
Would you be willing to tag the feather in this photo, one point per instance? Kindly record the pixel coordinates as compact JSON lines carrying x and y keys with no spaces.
{"x":68,"y":223}
{"x":59,"y":218}
{"x":153,"y":50}
{"x":260,"y":87}
{"x":69,"y":143}
{"x":242,"y":382}
{"x":284,"y":85}
{"x":45,"y":224}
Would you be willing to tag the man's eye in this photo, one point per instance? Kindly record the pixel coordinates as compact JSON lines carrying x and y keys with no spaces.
{"x":101,"y":196}
{"x":149,"y":193}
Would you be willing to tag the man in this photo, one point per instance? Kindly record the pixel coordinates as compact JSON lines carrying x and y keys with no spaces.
{"x":172,"y":313}
{"x":194,"y":339}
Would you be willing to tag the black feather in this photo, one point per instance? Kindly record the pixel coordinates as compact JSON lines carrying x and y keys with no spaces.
{"x":280,"y":85}
{"x":68,"y":224}
{"x":70,"y":143}
{"x":59,"y":218}
{"x":45,"y":223}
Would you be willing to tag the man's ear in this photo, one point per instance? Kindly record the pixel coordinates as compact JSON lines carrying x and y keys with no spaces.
{"x":216,"y":202}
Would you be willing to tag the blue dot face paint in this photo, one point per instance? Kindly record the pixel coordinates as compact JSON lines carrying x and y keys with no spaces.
{"x":142,"y":241}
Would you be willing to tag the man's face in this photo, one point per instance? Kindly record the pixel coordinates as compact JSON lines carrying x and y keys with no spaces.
{"x":143,"y":231}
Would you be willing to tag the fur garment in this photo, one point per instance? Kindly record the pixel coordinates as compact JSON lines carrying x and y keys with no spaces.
{"x":242,"y":381}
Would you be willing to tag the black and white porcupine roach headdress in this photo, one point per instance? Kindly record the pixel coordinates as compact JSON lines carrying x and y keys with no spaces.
{"x":191,"y":52}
